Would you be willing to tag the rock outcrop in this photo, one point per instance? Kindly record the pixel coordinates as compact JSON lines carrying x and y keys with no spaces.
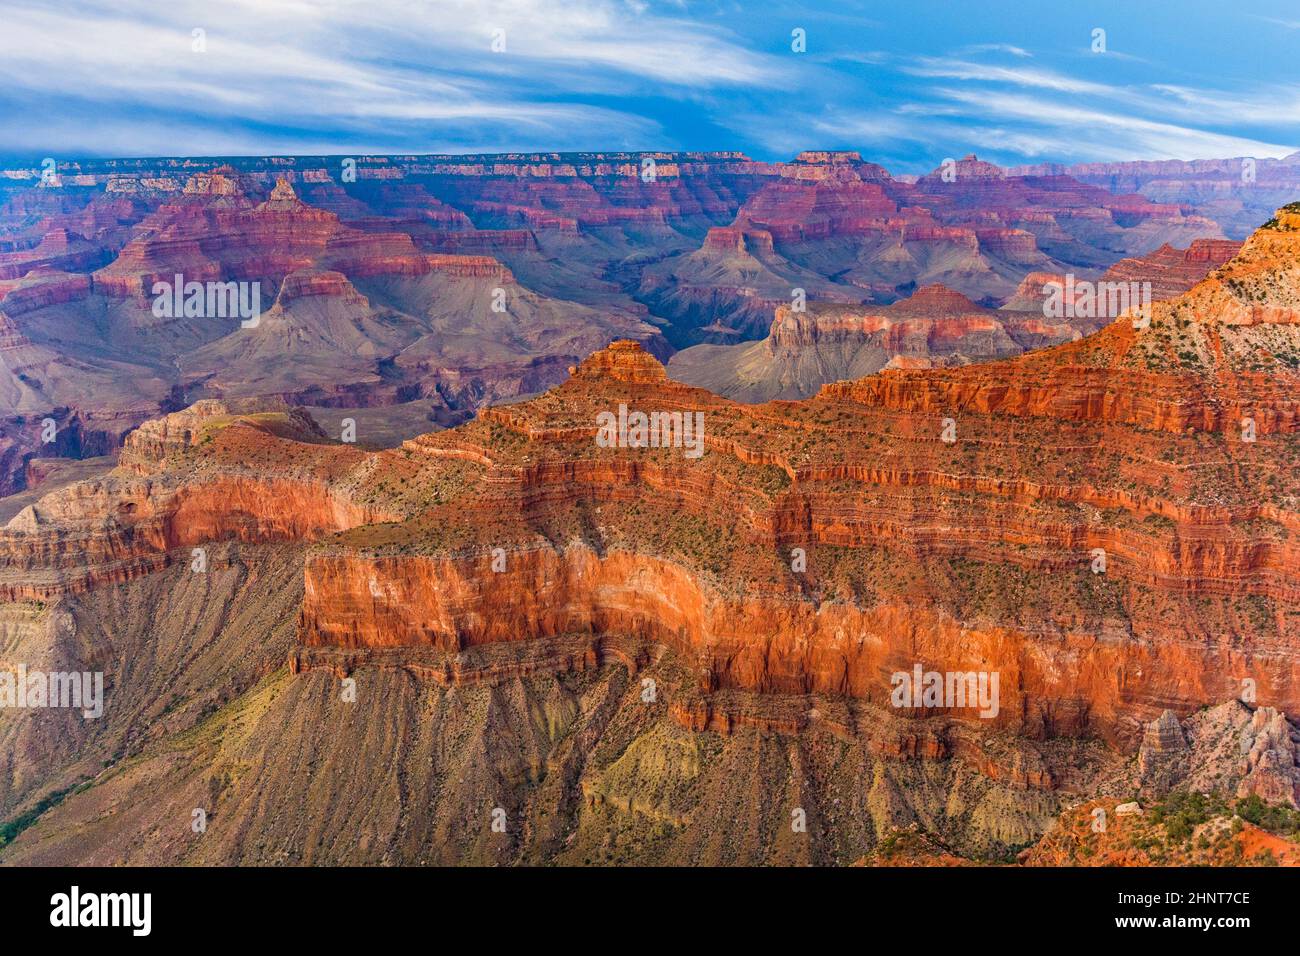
{"x":1269,"y":769}
{"x":1173,"y":271}
{"x":935,"y":327}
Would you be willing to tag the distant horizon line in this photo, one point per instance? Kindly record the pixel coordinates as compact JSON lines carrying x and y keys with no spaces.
{"x":10,"y":162}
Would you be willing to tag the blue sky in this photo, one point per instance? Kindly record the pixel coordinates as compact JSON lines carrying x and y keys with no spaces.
{"x":906,"y":82}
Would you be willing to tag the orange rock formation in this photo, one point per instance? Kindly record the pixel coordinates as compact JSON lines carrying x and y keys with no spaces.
{"x":1095,"y":523}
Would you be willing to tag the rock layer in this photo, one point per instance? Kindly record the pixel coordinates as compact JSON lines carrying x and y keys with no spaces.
{"x":1086,"y":522}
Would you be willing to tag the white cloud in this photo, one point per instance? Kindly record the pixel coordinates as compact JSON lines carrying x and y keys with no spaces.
{"x":1059,"y":115}
{"x":1276,"y":21}
{"x":1278,"y":105}
{"x":997,"y":48}
{"x":1014,"y":75}
{"x":1126,"y":135}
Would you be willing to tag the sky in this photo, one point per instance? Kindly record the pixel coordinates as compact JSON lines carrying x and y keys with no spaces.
{"x":907,"y":83}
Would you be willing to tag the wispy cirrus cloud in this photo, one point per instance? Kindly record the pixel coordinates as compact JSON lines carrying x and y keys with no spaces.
{"x":1280,"y":22}
{"x":995,"y":48}
{"x":940,"y":68}
{"x":908,"y":85}
{"x":394,"y":75}
{"x":1279,"y":104}
{"x":1110,"y":133}
{"x":1001,"y":101}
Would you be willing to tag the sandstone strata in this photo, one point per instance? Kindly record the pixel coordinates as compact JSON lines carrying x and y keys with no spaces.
{"x":976,"y":551}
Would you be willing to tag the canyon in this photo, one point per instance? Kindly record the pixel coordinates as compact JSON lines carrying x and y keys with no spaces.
{"x":626,"y":654}
{"x":1237,"y":193}
{"x":934,"y":327}
{"x":441,"y":284}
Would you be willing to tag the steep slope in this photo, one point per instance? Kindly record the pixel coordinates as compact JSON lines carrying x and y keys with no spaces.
{"x":967,"y":225}
{"x":805,"y":350}
{"x":1173,"y":271}
{"x":726,"y":290}
{"x":1236,"y":193}
{"x":840,"y":217}
{"x":934,"y":327}
{"x":97,"y":354}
